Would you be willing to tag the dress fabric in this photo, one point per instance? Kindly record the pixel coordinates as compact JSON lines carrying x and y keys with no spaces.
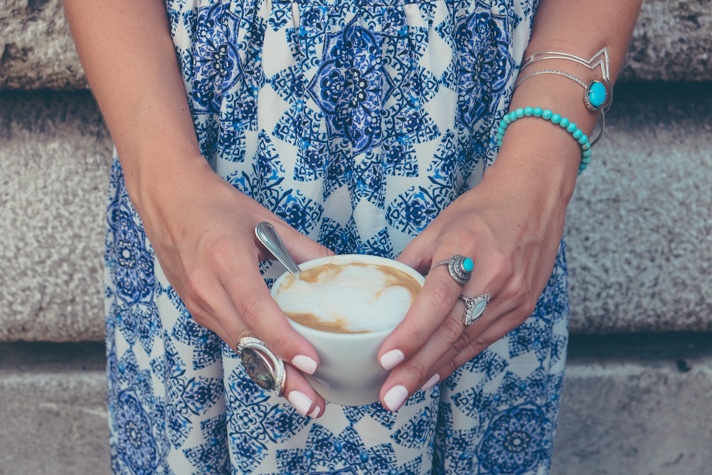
{"x":356,"y":122}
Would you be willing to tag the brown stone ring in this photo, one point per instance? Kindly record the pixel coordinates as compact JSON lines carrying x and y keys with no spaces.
{"x":261,"y":365}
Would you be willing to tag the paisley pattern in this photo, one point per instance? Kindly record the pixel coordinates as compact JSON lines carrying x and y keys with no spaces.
{"x":356,"y":121}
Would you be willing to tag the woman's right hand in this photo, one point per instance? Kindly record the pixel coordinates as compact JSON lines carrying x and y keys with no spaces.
{"x":203,"y":233}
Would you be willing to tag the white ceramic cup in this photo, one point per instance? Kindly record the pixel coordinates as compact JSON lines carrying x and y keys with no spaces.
{"x":349,"y":373}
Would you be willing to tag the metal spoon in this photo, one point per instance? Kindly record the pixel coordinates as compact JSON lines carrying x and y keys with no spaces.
{"x":268,"y":236}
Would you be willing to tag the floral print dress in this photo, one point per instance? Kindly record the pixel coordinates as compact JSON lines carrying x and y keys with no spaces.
{"x":357,"y":122}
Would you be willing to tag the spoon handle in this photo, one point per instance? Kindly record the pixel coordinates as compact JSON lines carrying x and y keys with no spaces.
{"x":268,"y":236}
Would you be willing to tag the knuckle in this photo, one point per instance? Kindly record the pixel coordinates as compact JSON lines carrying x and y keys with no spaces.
{"x":249,"y":306}
{"x":219,"y":245}
{"x":457,"y":238}
{"x":502,"y":268}
{"x":529,"y":305}
{"x":415,"y":334}
{"x":516,"y":291}
{"x":461,"y":343}
{"x":418,"y":370}
{"x":478,"y":345}
{"x":218,"y":252}
{"x":443,"y":296}
{"x":451,"y":330}
{"x":278,"y":342}
{"x":195,"y":285}
{"x":451,"y":366}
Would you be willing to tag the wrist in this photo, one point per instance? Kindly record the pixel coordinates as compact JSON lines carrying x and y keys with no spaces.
{"x":162,"y":180}
{"x":540,"y":160}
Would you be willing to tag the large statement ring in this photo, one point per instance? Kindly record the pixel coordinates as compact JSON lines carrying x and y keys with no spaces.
{"x":474,"y":308}
{"x":460,"y":268}
{"x":261,"y":365}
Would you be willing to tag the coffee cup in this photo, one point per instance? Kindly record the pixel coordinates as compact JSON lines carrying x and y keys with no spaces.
{"x":345,"y":306}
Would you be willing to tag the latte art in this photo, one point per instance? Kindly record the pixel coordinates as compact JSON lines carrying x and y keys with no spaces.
{"x":348,"y":298}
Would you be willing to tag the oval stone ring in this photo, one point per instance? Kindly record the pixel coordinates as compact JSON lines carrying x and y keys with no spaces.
{"x":474,"y":308}
{"x":261,"y":365}
{"x":460,"y":268}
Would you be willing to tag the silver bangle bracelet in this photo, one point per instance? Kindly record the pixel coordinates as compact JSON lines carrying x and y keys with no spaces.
{"x":586,"y":95}
{"x":598,"y":60}
{"x":551,"y":71}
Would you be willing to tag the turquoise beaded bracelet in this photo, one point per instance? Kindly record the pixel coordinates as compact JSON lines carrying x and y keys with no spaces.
{"x":562,"y":122}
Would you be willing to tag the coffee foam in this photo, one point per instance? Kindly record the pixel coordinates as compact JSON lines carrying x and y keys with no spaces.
{"x":348,"y":298}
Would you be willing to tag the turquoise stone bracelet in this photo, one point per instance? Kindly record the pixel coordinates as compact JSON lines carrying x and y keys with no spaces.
{"x":556,"y":119}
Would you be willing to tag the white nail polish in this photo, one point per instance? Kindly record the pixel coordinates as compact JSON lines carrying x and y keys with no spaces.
{"x":300,"y":401}
{"x":391,"y":359}
{"x":304,"y":363}
{"x":431,"y":382}
{"x":314,"y":413}
{"x":395,"y":397}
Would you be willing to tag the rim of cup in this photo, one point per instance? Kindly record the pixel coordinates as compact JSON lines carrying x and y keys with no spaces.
{"x":347,"y":259}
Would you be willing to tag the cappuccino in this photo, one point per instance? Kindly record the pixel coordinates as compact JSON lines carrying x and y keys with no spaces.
{"x":345,"y":306}
{"x":354,"y":297}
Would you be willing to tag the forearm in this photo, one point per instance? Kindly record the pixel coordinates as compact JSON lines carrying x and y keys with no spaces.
{"x":535,"y":152}
{"x":130,"y":62}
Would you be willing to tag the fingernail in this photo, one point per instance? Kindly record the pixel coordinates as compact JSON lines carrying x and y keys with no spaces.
{"x":431,"y":382}
{"x":304,"y":364}
{"x":300,"y":401}
{"x":391,"y":359}
{"x":395,"y":397}
{"x":315,"y":413}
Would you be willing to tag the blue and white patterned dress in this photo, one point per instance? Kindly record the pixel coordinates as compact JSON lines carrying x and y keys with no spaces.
{"x":356,"y":121}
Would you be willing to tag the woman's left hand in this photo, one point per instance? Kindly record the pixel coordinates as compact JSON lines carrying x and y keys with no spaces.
{"x":511,"y":227}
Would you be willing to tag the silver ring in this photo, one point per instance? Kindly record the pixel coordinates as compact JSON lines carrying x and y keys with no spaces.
{"x":474,"y":308}
{"x":460,"y":268}
{"x":261,"y":365}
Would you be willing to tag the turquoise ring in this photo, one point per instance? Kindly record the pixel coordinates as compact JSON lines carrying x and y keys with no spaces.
{"x":261,"y":365}
{"x":460,"y":268}
{"x":474,"y":308}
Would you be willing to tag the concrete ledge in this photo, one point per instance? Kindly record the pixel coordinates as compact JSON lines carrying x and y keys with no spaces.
{"x":637,"y":406}
{"x":36,"y":48}
{"x":639,"y":224}
{"x":671,"y":42}
{"x":634,"y":405}
{"x":54,"y":416}
{"x":54,"y":167}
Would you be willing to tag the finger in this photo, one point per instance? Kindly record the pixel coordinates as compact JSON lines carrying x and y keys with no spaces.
{"x":301,"y":395}
{"x":406,"y":378}
{"x":257,"y":309}
{"x":500,"y":319}
{"x":451,"y":338}
{"x":419,"y":370}
{"x":245,"y":303}
{"x":430,"y":308}
{"x":477,"y":344}
{"x":297,"y":390}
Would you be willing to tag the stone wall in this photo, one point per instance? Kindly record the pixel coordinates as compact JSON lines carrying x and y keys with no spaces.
{"x":671,"y":43}
{"x":639,"y":241}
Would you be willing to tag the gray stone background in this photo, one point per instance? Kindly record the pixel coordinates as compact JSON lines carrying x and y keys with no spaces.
{"x":640,"y":246}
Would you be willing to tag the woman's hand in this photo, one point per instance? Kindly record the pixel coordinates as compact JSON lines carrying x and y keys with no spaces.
{"x":202,"y":230}
{"x":510,"y":225}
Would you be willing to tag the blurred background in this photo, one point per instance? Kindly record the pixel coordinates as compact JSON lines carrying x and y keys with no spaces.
{"x":638,"y":386}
